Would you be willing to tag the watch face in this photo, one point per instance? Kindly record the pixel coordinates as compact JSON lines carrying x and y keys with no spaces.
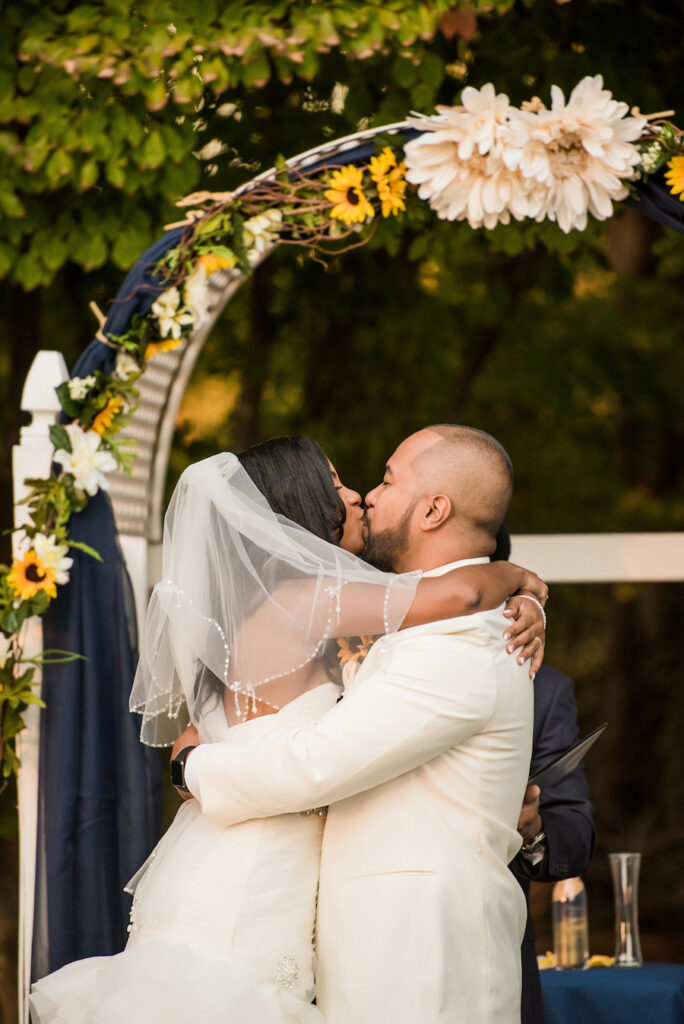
{"x":177,"y":774}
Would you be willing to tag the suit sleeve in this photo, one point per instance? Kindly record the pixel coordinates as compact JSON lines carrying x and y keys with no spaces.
{"x":565,"y":808}
{"x":388,"y":724}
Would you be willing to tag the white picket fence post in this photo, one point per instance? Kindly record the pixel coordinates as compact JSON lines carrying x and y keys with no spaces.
{"x":32,"y":457}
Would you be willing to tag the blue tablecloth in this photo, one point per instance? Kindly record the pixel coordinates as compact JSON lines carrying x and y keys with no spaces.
{"x":652,"y":994}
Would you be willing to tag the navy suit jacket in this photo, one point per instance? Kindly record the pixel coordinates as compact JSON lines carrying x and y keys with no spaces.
{"x":566,"y":813}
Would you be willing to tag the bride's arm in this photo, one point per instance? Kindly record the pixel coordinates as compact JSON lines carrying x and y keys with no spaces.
{"x":473,"y":588}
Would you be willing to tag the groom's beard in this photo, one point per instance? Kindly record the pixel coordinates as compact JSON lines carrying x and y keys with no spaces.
{"x":385,"y":548}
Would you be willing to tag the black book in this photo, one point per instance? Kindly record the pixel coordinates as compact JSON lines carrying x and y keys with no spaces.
{"x":555,"y":770}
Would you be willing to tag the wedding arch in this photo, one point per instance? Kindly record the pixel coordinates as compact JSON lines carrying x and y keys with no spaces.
{"x":485,"y":162}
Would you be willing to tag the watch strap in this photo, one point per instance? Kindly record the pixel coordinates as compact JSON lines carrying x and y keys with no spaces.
{"x":178,"y":769}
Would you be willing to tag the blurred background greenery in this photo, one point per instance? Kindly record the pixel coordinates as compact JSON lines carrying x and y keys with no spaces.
{"x":568,"y":349}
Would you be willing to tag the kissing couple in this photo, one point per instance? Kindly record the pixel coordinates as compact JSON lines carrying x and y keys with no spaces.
{"x":398,"y":906}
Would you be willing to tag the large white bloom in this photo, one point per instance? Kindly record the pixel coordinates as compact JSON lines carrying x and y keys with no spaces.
{"x":196,"y":295}
{"x":170,"y":316}
{"x":5,"y":648}
{"x":580,"y":153}
{"x":261,"y":233}
{"x":125,"y":366}
{"x":457,"y":161}
{"x":54,"y":556}
{"x":79,"y":387}
{"x":85,"y":461}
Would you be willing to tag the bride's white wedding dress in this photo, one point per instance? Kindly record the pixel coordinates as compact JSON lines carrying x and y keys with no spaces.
{"x":221,"y":924}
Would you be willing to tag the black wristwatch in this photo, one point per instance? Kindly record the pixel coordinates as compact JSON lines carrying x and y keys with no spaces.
{"x":178,"y":769}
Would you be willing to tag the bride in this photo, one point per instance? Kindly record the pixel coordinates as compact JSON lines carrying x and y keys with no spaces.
{"x":260,"y":575}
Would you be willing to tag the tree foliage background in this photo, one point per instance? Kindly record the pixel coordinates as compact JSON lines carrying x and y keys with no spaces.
{"x":568,"y":349}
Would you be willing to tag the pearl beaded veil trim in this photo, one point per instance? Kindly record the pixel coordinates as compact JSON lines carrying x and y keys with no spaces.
{"x":246,"y":605}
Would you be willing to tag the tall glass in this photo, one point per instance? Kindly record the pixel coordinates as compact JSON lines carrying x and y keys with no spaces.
{"x":570,"y":924}
{"x":625,"y":870}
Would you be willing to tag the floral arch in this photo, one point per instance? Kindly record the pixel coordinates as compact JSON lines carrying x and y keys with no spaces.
{"x":485,"y":162}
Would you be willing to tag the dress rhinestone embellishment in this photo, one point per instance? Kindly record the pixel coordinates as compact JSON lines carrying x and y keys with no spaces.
{"x":286,"y":972}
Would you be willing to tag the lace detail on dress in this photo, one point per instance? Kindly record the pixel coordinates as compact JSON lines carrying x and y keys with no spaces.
{"x":286,"y":973}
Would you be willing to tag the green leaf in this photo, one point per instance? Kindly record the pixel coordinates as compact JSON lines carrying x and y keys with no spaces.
{"x":10,"y":202}
{"x":89,"y":174}
{"x":71,"y":408}
{"x":90,"y":250}
{"x":11,"y":621}
{"x":152,"y":152}
{"x":59,"y":437}
{"x":59,"y":166}
{"x":29,"y":271}
{"x":85,"y":548}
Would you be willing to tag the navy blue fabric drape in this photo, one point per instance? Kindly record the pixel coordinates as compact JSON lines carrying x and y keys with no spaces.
{"x":99,"y":787}
{"x":99,"y":795}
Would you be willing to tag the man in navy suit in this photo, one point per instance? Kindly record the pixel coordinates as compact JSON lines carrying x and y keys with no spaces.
{"x":557,"y":824}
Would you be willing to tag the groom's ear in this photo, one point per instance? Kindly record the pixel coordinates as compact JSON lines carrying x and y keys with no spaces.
{"x":436,"y":512}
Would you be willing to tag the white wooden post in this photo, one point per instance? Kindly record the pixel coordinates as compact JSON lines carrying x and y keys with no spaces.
{"x":32,"y":457}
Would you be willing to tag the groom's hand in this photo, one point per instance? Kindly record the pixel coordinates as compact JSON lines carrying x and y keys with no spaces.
{"x":189,"y":738}
{"x":530,"y":823}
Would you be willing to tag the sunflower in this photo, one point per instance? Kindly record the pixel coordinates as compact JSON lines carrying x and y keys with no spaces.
{"x":29,"y":575}
{"x":105,"y":418}
{"x":350,"y":204}
{"x":210,"y":262}
{"x":390,"y":179}
{"x":155,"y":348}
{"x":675,"y":176}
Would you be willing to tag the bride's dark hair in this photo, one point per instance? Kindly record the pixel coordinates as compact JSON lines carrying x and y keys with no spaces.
{"x":293,"y":474}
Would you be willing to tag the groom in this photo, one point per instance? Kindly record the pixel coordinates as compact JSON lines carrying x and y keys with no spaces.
{"x":424,"y":763}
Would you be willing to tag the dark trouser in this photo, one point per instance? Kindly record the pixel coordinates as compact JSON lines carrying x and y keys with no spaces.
{"x":532,"y":1010}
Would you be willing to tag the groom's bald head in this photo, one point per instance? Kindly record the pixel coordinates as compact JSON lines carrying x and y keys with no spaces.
{"x":445,"y":494}
{"x":471,"y":468}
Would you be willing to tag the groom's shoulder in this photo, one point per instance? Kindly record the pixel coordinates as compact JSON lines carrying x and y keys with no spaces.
{"x":485,"y":622}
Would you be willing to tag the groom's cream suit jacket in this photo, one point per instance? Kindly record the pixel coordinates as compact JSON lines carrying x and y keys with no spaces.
{"x":424,"y":765}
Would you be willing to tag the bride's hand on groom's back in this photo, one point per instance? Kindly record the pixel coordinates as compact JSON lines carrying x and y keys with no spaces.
{"x":525,"y":635}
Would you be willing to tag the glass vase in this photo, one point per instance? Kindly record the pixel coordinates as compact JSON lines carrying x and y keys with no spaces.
{"x":625,"y":870}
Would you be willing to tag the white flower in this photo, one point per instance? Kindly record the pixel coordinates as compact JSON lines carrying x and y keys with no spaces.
{"x":579,"y":152}
{"x":261,"y":233}
{"x":85,"y":461}
{"x":53,"y":555}
{"x":196,"y":295}
{"x":170,"y":317}
{"x":650,"y":157}
{"x":125,"y":366}
{"x":458,"y":163}
{"x":5,"y":648}
{"x":79,"y":387}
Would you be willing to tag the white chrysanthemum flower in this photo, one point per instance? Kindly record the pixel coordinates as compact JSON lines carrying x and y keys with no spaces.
{"x":261,"y":233}
{"x":125,"y":366}
{"x":86,"y":462}
{"x":80,"y":386}
{"x":458,"y":164}
{"x":54,"y":556}
{"x":196,"y":295}
{"x":5,"y":648}
{"x":581,"y":152}
{"x":170,"y":316}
